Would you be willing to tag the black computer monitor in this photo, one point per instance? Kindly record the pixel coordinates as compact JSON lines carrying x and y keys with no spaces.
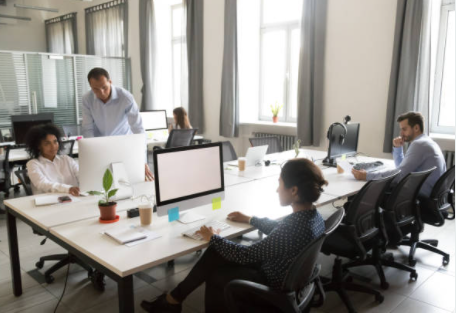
{"x":22,"y":123}
{"x":349,"y":147}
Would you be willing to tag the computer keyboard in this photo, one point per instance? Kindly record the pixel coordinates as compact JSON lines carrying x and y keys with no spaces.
{"x":214,"y":224}
{"x":369,"y":166}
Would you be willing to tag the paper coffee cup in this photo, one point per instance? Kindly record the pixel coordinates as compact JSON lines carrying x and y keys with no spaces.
{"x":145,"y":213}
{"x":340,"y":170}
{"x":241,"y":164}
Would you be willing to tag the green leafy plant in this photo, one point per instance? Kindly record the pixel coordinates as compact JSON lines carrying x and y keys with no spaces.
{"x":296,"y":147}
{"x":108,"y":192}
{"x":275,"y":109}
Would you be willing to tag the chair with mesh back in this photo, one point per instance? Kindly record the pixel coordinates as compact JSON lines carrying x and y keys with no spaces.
{"x":228,"y":152}
{"x":24,"y":179}
{"x":67,"y":148}
{"x":273,"y":143}
{"x":179,"y":138}
{"x":7,"y":168}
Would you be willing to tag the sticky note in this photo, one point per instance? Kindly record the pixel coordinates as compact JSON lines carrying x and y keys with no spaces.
{"x":343,"y":157}
{"x":216,"y":203}
{"x":150,"y":135}
{"x":173,"y":214}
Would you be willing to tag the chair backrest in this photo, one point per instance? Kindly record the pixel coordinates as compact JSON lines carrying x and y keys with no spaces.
{"x":363,"y":210}
{"x":72,"y":130}
{"x":180,"y":138}
{"x":442,"y":192}
{"x":402,"y":200}
{"x":332,"y":222}
{"x":67,"y":148}
{"x":272,"y":142}
{"x":23,"y":177}
{"x":228,"y":152}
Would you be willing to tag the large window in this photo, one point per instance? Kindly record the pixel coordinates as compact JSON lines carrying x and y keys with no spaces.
{"x":443,"y":105}
{"x":269,"y":46}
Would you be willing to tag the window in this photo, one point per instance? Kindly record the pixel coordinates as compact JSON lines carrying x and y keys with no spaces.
{"x":268,"y":52}
{"x":60,"y":34}
{"x":443,"y":106}
{"x":171,"y":87}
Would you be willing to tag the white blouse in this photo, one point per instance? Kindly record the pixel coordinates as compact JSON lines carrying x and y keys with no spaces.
{"x":53,"y":176}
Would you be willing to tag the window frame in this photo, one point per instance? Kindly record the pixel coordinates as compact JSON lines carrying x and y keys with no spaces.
{"x":265,"y":28}
{"x":446,"y":8}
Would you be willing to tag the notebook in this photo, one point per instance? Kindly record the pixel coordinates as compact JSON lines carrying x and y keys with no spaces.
{"x":47,"y":200}
{"x":125,"y":235}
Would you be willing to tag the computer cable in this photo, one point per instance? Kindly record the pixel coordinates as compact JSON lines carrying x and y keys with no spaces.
{"x":64,"y":287}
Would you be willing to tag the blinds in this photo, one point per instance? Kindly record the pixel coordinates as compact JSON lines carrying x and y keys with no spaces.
{"x":35,"y":83}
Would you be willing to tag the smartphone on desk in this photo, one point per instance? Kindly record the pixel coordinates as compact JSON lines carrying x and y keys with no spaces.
{"x":64,"y":199}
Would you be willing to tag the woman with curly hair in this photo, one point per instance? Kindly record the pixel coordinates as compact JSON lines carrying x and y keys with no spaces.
{"x":49,"y":171}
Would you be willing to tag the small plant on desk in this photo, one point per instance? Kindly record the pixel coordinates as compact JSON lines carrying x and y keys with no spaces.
{"x":106,"y":205}
{"x":275,"y":109}
{"x":296,"y":147}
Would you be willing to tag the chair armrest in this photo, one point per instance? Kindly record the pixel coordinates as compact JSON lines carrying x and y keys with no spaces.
{"x":349,"y":232}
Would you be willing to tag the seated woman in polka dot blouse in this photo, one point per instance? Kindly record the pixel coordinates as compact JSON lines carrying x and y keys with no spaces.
{"x":266,"y":261}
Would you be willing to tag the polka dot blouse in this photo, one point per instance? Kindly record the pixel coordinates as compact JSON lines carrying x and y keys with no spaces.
{"x":277,"y":251}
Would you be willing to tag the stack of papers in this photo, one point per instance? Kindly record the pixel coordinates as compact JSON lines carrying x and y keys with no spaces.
{"x":131,"y":235}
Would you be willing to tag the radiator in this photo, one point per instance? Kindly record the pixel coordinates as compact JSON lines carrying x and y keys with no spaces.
{"x":449,"y":158}
{"x":286,"y":141}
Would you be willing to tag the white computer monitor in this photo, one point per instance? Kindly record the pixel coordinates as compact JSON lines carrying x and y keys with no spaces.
{"x":98,"y":154}
{"x":154,"y":119}
{"x":188,"y":177}
{"x":255,"y":155}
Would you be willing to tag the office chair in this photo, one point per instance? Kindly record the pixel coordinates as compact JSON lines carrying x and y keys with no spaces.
{"x":401,"y":213}
{"x":5,"y":182}
{"x":299,"y":287}
{"x":72,"y":130}
{"x":228,"y":152}
{"x":24,"y":180}
{"x":179,"y":138}
{"x":67,"y":148}
{"x":273,"y":143}
{"x":359,"y":233}
{"x":433,"y":210}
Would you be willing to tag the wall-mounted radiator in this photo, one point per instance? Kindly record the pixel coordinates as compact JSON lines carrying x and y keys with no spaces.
{"x":286,"y":141}
{"x":449,"y":158}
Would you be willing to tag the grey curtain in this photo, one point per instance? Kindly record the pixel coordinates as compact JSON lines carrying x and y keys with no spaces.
{"x":61,"y":34}
{"x":147,"y":42}
{"x":311,"y":69}
{"x":410,"y":68}
{"x":229,"y":106}
{"x":195,"y":44}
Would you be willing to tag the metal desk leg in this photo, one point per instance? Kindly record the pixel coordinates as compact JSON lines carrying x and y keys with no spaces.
{"x":126,"y":297}
{"x":14,"y":254}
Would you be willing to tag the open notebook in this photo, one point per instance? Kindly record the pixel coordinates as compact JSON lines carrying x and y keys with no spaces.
{"x":125,"y":235}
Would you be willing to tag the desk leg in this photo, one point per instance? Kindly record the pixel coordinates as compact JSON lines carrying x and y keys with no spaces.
{"x":126,"y":297}
{"x":14,"y":254}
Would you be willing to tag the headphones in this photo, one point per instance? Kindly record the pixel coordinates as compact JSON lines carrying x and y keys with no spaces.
{"x":342,"y":136}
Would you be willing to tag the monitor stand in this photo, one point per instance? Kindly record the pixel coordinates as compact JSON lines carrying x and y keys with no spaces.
{"x":190,"y":217}
{"x":329,"y":162}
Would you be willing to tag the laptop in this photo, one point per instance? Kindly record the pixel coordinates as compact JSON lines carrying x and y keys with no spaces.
{"x":254,"y":156}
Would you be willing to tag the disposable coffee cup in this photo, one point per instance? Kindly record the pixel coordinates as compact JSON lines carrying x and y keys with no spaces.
{"x":145,"y":213}
{"x":241,"y":164}
{"x":340,"y":170}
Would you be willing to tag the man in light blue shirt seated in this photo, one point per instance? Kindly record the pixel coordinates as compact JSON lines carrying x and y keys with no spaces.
{"x":422,"y":154}
{"x":108,"y":110}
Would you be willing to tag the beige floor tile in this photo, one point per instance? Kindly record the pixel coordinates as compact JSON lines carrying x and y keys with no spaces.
{"x":438,"y":291}
{"x":30,"y":298}
{"x":414,"y":306}
{"x":6,"y":287}
{"x":49,"y":307}
{"x":180,"y":264}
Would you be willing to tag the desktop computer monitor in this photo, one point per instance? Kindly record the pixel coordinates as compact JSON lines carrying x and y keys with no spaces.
{"x":100,"y":153}
{"x":188,"y":177}
{"x":348,"y":148}
{"x":22,"y":123}
{"x":154,"y":120}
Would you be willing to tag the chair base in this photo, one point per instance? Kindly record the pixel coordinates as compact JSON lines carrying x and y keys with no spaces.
{"x":340,"y":285}
{"x":429,"y":245}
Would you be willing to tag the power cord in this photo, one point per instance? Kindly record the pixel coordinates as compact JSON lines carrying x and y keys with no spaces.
{"x":64,"y":287}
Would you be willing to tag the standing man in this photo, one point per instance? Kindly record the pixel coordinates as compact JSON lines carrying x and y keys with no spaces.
{"x":108,"y":110}
{"x":422,"y":154}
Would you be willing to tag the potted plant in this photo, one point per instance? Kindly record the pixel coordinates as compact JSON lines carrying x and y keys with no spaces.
{"x":106,"y":205}
{"x":275,"y":111}
{"x":296,"y":147}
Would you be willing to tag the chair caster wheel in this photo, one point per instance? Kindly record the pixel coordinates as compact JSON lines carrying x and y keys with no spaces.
{"x":412,"y":262}
{"x":446,"y":260}
{"x":379,"y":298}
{"x":49,"y":279}
{"x":414,"y":276}
{"x":385,"y":285}
{"x":97,"y":279}
{"x":39,"y":264}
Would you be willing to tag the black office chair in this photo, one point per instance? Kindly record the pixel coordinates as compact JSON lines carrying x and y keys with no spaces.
{"x":67,"y":148}
{"x":179,"y":138}
{"x":272,"y":142}
{"x":7,"y":167}
{"x":359,"y":233}
{"x":401,"y":213}
{"x":72,"y":130}
{"x":24,"y":180}
{"x":433,"y":210}
{"x":298,"y":289}
{"x":228,"y":152}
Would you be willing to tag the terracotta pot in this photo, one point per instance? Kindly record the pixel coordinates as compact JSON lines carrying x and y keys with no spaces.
{"x":275,"y":119}
{"x":108,"y":212}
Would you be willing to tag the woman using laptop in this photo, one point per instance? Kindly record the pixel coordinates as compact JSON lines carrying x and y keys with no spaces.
{"x":266,"y":261}
{"x":49,"y":171}
{"x":181,"y":120}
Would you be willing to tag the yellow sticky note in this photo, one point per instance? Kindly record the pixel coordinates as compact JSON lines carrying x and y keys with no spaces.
{"x":216,"y":203}
{"x":343,"y":157}
{"x":150,"y":135}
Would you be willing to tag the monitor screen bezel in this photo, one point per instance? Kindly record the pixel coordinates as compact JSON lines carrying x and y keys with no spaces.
{"x":351,"y":153}
{"x":166,"y":119}
{"x":44,"y":118}
{"x":180,"y":149}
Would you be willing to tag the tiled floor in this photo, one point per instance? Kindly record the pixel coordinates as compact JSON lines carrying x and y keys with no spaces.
{"x":434,"y":291}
